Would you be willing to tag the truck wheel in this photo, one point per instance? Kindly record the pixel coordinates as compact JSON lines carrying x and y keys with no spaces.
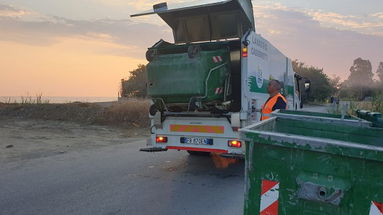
{"x":153,"y":110}
{"x":197,"y":153}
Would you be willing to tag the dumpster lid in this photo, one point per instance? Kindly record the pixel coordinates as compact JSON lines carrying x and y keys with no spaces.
{"x":215,"y":21}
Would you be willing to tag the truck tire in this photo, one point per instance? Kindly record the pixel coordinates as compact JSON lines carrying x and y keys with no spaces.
{"x":153,"y":110}
{"x":197,"y":153}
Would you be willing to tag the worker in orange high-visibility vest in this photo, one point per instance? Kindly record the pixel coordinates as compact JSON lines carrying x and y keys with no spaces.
{"x":276,"y":100}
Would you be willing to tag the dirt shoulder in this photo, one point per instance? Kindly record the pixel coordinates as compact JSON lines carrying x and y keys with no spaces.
{"x":33,"y":130}
{"x":128,"y":114}
{"x":22,"y":139}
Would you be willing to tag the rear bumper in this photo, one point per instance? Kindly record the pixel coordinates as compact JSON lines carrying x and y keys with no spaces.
{"x":220,"y":145}
{"x":218,"y":131}
{"x":152,"y":149}
{"x":197,"y":149}
{"x":221,"y":152}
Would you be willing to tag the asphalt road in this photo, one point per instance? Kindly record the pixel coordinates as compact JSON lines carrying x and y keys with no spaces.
{"x":325,"y":108}
{"x":119,"y":179}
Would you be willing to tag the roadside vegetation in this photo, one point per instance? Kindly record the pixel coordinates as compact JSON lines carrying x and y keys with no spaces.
{"x":376,"y":105}
{"x":363,"y":88}
{"x":321,"y":85}
{"x":38,"y":99}
{"x":129,"y":113}
{"x":135,"y":85}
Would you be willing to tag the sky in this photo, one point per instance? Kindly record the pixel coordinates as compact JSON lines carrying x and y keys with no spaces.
{"x":85,"y":47}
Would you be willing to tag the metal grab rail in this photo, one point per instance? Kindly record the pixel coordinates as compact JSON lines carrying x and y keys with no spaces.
{"x":206,"y":85}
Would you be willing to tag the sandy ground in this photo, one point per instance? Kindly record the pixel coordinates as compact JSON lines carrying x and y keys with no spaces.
{"x":22,"y":139}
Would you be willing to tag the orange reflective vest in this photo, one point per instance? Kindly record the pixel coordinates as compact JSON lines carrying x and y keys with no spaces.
{"x":267,"y":108}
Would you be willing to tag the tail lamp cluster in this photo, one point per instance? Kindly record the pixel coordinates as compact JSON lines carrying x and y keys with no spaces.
{"x":231,"y":143}
{"x":245,"y":52}
{"x":161,"y":139}
{"x":235,"y":143}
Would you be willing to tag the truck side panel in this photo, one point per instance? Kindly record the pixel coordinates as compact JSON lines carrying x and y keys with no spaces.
{"x":264,"y":63}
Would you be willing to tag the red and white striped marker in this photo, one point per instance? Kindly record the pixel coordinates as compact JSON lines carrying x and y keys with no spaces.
{"x":376,"y":208}
{"x":217,"y":59}
{"x":218,"y":90}
{"x":269,"y":198}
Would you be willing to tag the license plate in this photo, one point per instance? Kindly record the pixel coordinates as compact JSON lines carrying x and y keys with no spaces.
{"x":196,"y":140}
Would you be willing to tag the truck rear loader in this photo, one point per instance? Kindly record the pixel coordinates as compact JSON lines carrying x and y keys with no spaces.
{"x":213,"y":79}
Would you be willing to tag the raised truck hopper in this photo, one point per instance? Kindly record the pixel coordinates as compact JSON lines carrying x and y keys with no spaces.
{"x":201,"y":69}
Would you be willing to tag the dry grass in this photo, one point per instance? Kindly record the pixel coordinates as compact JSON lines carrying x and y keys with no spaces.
{"x":38,"y":99}
{"x":361,"y":105}
{"x":132,"y":113}
{"x":375,"y":105}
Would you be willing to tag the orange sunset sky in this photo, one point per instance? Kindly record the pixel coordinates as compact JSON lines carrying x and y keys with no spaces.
{"x":84,"y":47}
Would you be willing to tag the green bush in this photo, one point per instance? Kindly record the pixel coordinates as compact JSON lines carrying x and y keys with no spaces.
{"x":377,"y":103}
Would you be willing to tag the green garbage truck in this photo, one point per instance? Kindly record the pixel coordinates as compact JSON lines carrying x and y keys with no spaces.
{"x":212,"y":80}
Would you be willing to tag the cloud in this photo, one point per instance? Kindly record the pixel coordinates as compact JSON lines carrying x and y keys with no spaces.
{"x":378,"y":15}
{"x":9,"y":11}
{"x":303,"y":36}
{"x":372,"y":24}
{"x":46,"y":30}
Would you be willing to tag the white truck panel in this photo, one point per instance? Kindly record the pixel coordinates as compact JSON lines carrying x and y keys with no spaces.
{"x":220,"y":140}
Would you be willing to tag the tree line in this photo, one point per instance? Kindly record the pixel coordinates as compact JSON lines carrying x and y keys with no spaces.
{"x":360,"y":84}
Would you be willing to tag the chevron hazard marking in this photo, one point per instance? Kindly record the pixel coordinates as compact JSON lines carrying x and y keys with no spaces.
{"x":217,"y":59}
{"x":376,"y":208}
{"x":269,"y":197}
{"x":218,"y":90}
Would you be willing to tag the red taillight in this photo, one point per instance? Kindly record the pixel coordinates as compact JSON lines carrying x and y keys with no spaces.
{"x":244,"y":52}
{"x":161,"y":139}
{"x":235,"y":143}
{"x":235,"y":128}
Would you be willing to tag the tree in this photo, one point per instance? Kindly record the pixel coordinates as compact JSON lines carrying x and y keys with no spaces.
{"x":360,"y":81}
{"x":135,"y":86}
{"x":335,"y":84}
{"x":379,"y":72}
{"x":321,"y":88}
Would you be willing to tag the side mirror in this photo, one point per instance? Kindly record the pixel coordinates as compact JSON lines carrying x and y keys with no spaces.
{"x":307,"y":86}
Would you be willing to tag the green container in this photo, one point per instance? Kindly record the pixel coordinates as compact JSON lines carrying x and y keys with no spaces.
{"x":323,"y":117}
{"x":316,"y":114}
{"x":312,"y":167}
{"x":374,"y":117}
{"x":177,"y":78}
